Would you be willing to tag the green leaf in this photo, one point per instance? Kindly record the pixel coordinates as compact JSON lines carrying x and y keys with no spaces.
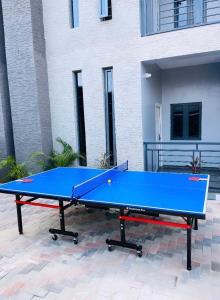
{"x":56,"y":159}
{"x":13,"y":170}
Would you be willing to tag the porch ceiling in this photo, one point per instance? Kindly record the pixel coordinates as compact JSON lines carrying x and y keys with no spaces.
{"x":184,"y":61}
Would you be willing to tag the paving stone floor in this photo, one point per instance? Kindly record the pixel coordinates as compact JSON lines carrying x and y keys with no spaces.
{"x":33,"y":266}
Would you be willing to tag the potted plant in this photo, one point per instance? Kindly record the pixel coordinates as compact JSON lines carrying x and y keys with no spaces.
{"x":195,"y":164}
{"x":104,"y":161}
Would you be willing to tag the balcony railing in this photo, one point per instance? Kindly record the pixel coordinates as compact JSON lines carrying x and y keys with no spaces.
{"x":167,"y":15}
{"x":186,"y":157}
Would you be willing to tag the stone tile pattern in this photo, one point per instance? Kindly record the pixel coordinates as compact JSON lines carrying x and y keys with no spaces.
{"x":33,"y":266}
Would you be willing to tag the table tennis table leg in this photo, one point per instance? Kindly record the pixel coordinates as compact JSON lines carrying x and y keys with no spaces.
{"x":19,"y":215}
{"x":123,"y":243}
{"x":122,"y":231}
{"x":62,"y":229}
{"x":189,"y":246}
{"x":195,"y":224}
{"x":62,"y":218}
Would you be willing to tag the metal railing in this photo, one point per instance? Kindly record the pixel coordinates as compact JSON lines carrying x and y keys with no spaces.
{"x":190,"y":157}
{"x":167,"y":15}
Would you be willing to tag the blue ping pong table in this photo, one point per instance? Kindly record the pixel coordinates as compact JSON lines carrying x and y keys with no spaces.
{"x":136,"y":195}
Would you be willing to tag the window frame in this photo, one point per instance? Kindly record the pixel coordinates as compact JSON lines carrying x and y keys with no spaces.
{"x":146,"y":21}
{"x":186,"y":107}
{"x":80,"y":129}
{"x":197,"y":16}
{"x":178,"y":12}
{"x":106,"y":104}
{"x":74,"y":15}
{"x":105,"y":10}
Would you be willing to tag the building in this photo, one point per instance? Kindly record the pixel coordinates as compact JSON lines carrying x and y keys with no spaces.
{"x":109,"y":75}
{"x":24,"y":84}
{"x":6,"y":141}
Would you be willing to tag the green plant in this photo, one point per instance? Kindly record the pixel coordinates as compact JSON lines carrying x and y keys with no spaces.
{"x":12,"y":169}
{"x":104,"y":161}
{"x":56,"y":159}
{"x":195,"y":164}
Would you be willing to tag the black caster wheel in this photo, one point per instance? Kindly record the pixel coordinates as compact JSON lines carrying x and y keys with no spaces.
{"x":107,"y":214}
{"x":139,"y":253}
{"x":75,"y":240}
{"x":109,"y":248}
{"x":54,"y":237}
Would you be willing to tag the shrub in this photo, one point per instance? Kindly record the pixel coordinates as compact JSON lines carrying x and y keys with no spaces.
{"x":104,"y":161}
{"x":12,"y":170}
{"x":56,"y":159}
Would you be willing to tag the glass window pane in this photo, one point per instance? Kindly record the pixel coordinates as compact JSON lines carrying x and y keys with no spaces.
{"x":198,"y":11}
{"x":186,"y":121}
{"x":80,"y":118}
{"x":79,"y":79}
{"x":109,"y":81}
{"x":181,"y":13}
{"x":110,"y":124}
{"x":177,"y":121}
{"x":194,"y":120}
{"x":104,"y":8}
{"x":75,"y":13}
{"x":146,"y":17}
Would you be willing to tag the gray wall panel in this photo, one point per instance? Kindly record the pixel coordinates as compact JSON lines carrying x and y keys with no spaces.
{"x":6,"y":135}
{"x":27,"y":73}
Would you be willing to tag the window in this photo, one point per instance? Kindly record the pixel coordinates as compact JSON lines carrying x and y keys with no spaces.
{"x":167,"y":15}
{"x":146,"y":9}
{"x":74,"y":13}
{"x":80,"y":117}
{"x":183,"y":13}
{"x":186,"y":121}
{"x":200,"y":10}
{"x":109,"y":116}
{"x":105,"y":10}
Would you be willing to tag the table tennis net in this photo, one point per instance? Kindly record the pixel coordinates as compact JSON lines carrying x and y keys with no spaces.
{"x":89,"y":185}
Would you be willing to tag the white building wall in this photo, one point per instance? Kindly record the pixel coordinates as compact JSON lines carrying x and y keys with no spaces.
{"x":95,"y":45}
{"x":128,"y":114}
{"x":193,"y":84}
{"x":151,"y":94}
